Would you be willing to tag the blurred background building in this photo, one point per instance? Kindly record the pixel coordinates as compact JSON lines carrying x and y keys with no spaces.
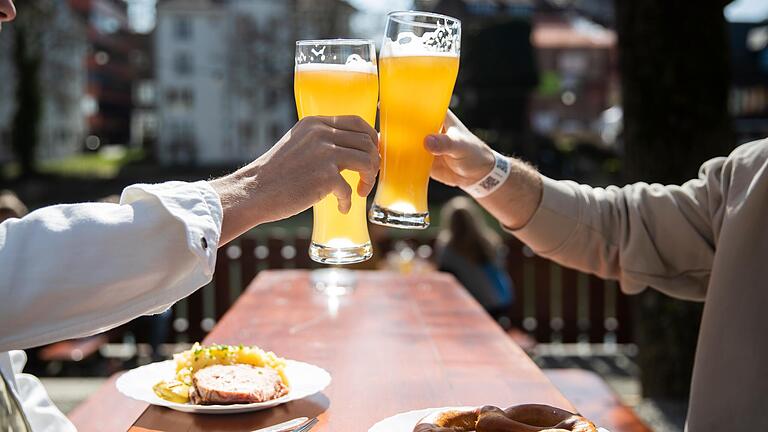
{"x":210,"y":85}
{"x":539,"y":79}
{"x":62,"y":80}
{"x":224,"y":73}
{"x":749,"y":91}
{"x":108,"y":100}
{"x":322,"y":19}
{"x":208,"y":82}
{"x":144,"y":125}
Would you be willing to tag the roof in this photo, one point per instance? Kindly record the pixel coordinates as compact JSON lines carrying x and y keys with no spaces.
{"x":574,"y":34}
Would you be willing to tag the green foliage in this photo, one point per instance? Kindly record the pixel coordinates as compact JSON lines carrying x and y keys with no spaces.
{"x":102,"y":165}
{"x":549,"y":84}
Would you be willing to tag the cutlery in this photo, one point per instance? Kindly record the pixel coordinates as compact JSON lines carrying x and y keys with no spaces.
{"x":287,"y":426}
{"x":306,"y":427}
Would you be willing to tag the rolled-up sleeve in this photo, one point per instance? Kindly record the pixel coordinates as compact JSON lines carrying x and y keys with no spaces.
{"x":74,"y":270}
{"x":662,"y":236}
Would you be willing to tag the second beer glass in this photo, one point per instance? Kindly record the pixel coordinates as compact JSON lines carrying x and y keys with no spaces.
{"x":418,"y":65}
{"x":338,"y":77}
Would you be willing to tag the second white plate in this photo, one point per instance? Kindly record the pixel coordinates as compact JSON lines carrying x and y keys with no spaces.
{"x":405,"y":422}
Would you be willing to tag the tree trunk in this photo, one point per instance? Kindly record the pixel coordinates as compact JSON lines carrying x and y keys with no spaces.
{"x":674,"y":62}
{"x":26,"y":121}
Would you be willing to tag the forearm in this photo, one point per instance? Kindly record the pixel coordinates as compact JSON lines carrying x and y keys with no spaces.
{"x":641,"y":234}
{"x":462,"y":159}
{"x":298,"y":171}
{"x":73,"y":270}
{"x":515,"y":202}
{"x":241,"y":199}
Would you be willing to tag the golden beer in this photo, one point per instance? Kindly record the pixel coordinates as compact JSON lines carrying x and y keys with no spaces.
{"x":415,"y":92}
{"x":418,"y":69}
{"x":329,"y":90}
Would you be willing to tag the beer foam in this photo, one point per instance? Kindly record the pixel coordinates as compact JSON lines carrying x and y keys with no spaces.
{"x":354,"y":63}
{"x":410,"y":45}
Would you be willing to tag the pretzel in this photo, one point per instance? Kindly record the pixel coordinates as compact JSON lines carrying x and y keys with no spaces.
{"x":520,"y":418}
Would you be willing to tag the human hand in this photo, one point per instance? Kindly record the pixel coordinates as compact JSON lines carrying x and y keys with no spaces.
{"x":461,"y":158}
{"x":7,"y":11}
{"x":302,"y":168}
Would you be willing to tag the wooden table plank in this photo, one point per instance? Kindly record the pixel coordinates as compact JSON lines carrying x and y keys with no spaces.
{"x":107,"y":410}
{"x":595,"y":400}
{"x":396,"y":344}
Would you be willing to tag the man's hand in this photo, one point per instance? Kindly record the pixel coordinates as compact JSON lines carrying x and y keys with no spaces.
{"x":462,"y":159}
{"x":301,"y":169}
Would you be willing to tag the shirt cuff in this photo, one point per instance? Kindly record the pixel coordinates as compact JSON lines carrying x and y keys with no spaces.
{"x":555,"y":221}
{"x":196,"y":205}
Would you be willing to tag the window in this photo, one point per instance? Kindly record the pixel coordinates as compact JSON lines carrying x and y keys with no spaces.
{"x":187,"y":98}
{"x":275,"y":131}
{"x":182,"y":64}
{"x":171,"y":96}
{"x":145,"y":92}
{"x":180,"y":98}
{"x":573,"y":63}
{"x":272,"y":96}
{"x":181,"y":130}
{"x":103,"y":23}
{"x":182,"y":28}
{"x":246,"y":133}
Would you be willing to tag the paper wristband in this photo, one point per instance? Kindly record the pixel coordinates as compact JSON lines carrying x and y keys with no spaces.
{"x":493,"y":180}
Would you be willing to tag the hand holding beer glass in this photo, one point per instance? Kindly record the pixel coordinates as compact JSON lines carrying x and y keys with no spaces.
{"x":418,"y":65}
{"x":338,"y":77}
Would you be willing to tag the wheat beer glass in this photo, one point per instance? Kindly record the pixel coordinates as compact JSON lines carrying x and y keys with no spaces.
{"x":418,"y":65}
{"x":338,"y":77}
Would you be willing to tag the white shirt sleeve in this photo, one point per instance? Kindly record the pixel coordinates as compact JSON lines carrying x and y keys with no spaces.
{"x":69,"y":271}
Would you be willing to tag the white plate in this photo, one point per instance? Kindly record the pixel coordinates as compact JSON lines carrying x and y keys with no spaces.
{"x":405,"y":422}
{"x":305,"y":380}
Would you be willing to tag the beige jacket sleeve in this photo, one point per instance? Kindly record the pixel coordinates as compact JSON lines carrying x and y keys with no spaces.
{"x":641,"y":234}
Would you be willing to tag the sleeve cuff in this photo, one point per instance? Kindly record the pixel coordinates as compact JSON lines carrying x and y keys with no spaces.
{"x":555,"y":221}
{"x":196,"y":205}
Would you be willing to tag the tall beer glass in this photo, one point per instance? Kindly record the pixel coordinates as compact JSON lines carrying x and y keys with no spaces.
{"x":418,"y":65}
{"x":338,"y":77}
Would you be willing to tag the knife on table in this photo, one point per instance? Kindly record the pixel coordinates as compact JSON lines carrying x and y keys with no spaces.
{"x":284,"y":426}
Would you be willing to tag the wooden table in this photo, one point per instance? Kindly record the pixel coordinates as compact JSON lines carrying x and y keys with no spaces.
{"x":397,"y":343}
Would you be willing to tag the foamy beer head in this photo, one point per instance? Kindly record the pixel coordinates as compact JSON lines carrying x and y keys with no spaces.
{"x":421,"y":34}
{"x":337,"y":53}
{"x":349,"y":67}
{"x":418,"y":65}
{"x":336,"y":77}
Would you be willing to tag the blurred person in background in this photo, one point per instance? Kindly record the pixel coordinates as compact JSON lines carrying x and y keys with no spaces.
{"x":470,"y":250}
{"x":11,"y":206}
{"x":705,"y":240}
{"x":69,"y":271}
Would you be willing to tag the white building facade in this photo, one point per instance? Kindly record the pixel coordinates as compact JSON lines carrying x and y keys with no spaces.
{"x":223,"y":72}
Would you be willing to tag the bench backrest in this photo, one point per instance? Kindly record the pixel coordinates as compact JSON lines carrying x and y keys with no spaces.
{"x":553,"y":304}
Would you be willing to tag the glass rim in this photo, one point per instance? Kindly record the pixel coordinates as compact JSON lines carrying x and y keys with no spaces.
{"x":336,"y":41}
{"x":395,"y":16}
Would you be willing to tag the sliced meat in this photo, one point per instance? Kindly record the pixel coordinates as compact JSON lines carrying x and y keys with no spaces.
{"x":233,"y":384}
